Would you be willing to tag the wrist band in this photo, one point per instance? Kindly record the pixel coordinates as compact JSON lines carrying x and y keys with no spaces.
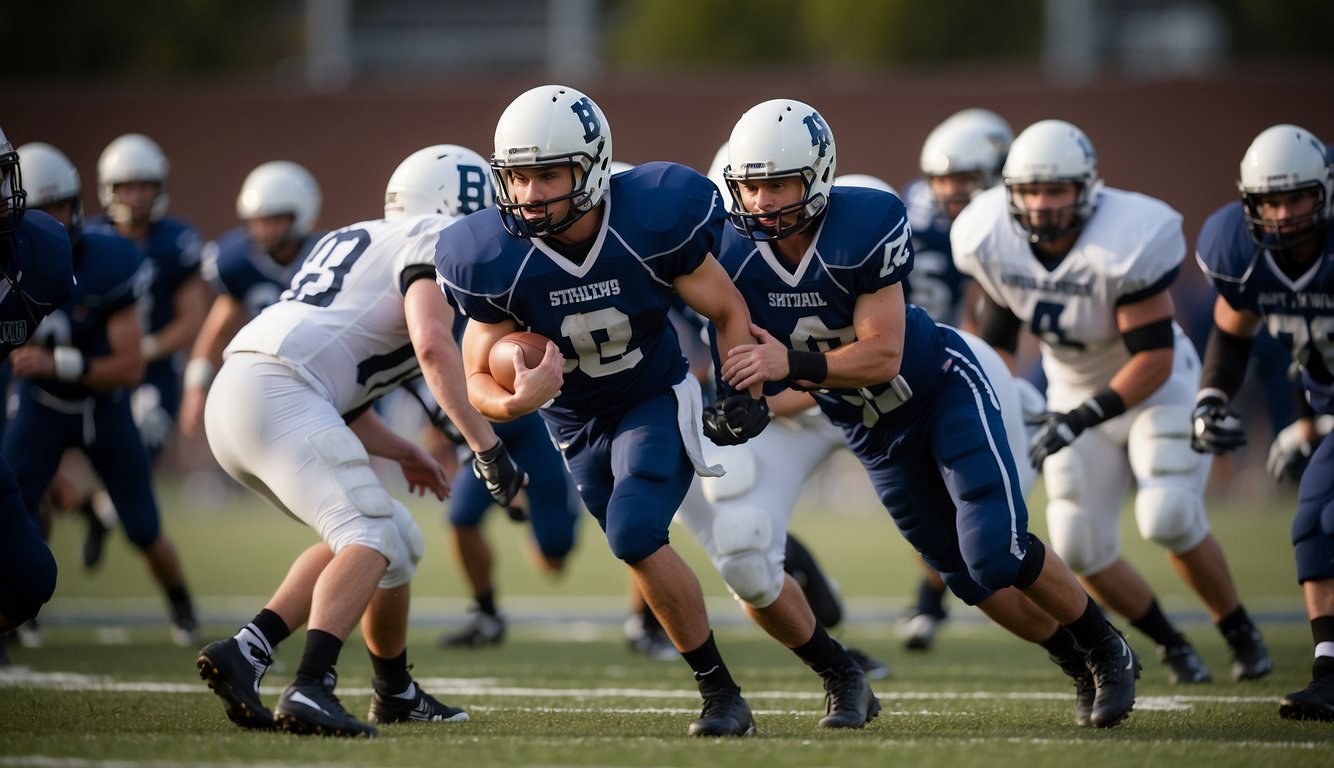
{"x":148,"y":346}
{"x":69,"y":363}
{"x":807,"y":366}
{"x":198,"y":373}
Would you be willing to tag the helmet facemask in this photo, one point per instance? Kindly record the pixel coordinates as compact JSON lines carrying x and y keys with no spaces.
{"x":807,"y":210}
{"x":1056,"y":223}
{"x":580,"y":197}
{"x":1270,"y":235}
{"x":12,"y":195}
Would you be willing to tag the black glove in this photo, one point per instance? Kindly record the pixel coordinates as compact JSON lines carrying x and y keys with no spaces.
{"x":1213,"y":428}
{"x":1289,"y":454}
{"x":735,"y":419}
{"x":1057,"y":431}
{"x":503,"y":478}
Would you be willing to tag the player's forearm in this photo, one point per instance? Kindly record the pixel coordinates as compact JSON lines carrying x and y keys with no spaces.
{"x":378,"y":439}
{"x":444,"y":376}
{"x":1145,"y":373}
{"x":864,"y":363}
{"x":119,"y":370}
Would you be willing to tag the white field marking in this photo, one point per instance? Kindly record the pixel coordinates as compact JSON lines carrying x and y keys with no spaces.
{"x":23,"y":677}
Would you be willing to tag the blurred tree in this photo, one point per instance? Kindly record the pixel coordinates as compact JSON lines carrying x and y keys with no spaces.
{"x":1290,"y":29}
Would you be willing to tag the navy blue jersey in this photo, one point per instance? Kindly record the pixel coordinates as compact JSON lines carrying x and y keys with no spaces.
{"x":607,"y":313}
{"x":38,"y":260}
{"x":935,"y":285}
{"x":236,"y":267}
{"x":1298,"y":313}
{"x":109,"y":278}
{"x":171,"y":256}
{"x":862,"y":245}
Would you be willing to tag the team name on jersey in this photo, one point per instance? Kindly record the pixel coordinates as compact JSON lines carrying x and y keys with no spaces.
{"x":14,"y":332}
{"x":582,"y":293}
{"x":1063,"y":287}
{"x":806,"y":299}
{"x":1284,"y":300}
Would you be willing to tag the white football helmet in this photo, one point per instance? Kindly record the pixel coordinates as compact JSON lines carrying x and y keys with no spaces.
{"x":865,"y":180}
{"x":440,"y":179}
{"x":281,"y":187}
{"x":996,"y":128}
{"x":552,"y":125}
{"x":1053,"y":151}
{"x":961,"y":145}
{"x":715,"y":173}
{"x":49,"y":178}
{"x":12,"y":195}
{"x":778,"y":138}
{"x":1285,"y":158}
{"x":132,"y":157}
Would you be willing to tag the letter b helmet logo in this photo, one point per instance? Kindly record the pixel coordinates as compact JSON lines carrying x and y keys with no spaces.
{"x":583,"y":109}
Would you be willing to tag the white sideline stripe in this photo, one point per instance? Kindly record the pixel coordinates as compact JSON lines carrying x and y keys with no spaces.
{"x":23,"y":677}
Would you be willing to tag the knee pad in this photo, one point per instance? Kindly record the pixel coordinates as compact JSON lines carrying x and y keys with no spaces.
{"x":743,"y":537}
{"x":1169,"y":508}
{"x":1085,"y":546}
{"x":408,"y":552}
{"x":739,"y":461}
{"x":1171,"y":516}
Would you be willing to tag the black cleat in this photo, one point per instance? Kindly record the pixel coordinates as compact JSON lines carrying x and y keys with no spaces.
{"x":874,"y":668}
{"x":1085,"y":689}
{"x":1115,"y":668}
{"x":94,"y":539}
{"x":314,"y":709}
{"x":483,"y":629}
{"x":235,"y":679}
{"x":422,"y":708}
{"x":1314,"y":702}
{"x":1184,"y":665}
{"x":848,"y":701}
{"x":1250,"y":657}
{"x":725,"y":714}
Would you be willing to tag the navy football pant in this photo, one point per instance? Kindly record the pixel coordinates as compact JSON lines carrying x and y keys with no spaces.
{"x":632,"y":473}
{"x":554,"y":515}
{"x":39,"y":435}
{"x":27,"y":569}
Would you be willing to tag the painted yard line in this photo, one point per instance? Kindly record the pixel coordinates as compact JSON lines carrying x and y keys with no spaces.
{"x":22,"y":677}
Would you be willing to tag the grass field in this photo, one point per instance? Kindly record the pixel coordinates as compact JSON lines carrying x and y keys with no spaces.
{"x":108,"y":687}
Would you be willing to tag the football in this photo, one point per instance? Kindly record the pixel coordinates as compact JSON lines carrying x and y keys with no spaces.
{"x":501,"y":358}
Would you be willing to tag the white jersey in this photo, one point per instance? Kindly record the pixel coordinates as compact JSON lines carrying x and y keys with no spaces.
{"x":1129,"y":249}
{"x":341,"y":323}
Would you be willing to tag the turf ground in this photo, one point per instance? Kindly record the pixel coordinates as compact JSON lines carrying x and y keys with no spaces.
{"x":108,"y":687}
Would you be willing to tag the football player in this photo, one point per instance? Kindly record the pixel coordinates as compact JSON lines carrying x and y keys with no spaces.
{"x":1086,"y":269}
{"x":38,"y":276}
{"x":250,"y":266}
{"x":960,"y":158}
{"x":74,"y":381}
{"x":289,"y":417}
{"x":1271,"y":258}
{"x":454,"y":180}
{"x":570,"y":253}
{"x":132,"y":187}
{"x":821,"y":268}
